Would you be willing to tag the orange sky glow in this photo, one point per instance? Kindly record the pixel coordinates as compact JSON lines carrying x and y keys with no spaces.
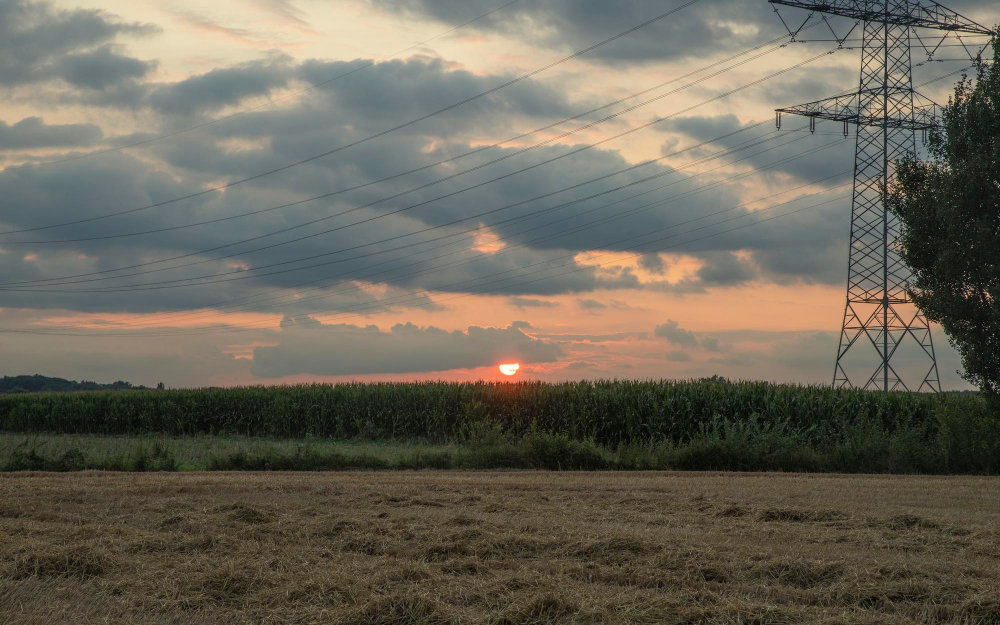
{"x":746,"y":306}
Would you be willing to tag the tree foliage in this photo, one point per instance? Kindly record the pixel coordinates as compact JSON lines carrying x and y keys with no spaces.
{"x":949,"y":208}
{"x":40,"y":383}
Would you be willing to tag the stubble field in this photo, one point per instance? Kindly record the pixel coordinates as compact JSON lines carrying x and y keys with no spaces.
{"x":440,"y":547}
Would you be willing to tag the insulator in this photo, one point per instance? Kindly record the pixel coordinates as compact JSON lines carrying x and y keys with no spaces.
{"x":812,"y":124}
{"x":777,"y":120}
{"x":847,"y":130}
{"x":923,"y":136}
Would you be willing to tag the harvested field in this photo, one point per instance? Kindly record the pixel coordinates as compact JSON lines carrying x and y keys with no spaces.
{"x":513,"y":548}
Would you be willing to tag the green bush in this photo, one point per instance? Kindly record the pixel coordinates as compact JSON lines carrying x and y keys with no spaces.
{"x":302,"y":459}
{"x":968,"y":440}
{"x":28,"y":457}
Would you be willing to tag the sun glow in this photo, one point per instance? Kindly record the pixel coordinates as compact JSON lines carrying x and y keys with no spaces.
{"x":509,"y":369}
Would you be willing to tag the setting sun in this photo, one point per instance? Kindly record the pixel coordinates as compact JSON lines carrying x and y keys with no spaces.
{"x":509,"y":369}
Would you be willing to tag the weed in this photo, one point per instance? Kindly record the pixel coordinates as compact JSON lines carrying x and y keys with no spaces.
{"x":800,"y":573}
{"x":400,"y":610}
{"x":77,"y":562}
{"x":543,"y":610}
{"x":802,"y":516}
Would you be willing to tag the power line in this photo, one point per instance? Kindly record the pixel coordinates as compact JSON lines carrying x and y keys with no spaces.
{"x":740,"y":147}
{"x":301,"y":238}
{"x":466,"y":154}
{"x":265,"y":104}
{"x":933,"y":80}
{"x":579,"y":228}
{"x":500,"y":288}
{"x":382,"y":133}
{"x":617,"y":260}
{"x":507,"y":223}
{"x":878,"y":312}
{"x":560,"y":234}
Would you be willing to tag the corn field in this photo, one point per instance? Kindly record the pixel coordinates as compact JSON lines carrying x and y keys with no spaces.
{"x":607,"y":412}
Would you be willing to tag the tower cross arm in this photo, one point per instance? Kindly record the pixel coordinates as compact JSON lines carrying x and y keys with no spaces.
{"x":926,"y":14}
{"x":854,"y":109}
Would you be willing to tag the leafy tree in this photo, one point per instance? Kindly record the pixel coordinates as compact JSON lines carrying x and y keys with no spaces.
{"x":40,"y":383}
{"x":949,"y":208}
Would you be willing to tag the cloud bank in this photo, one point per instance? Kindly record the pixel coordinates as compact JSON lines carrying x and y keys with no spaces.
{"x":337,"y":350}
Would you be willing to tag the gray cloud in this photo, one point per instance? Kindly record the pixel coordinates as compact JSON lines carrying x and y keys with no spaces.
{"x":221,"y":87}
{"x":685,"y":339}
{"x":101,"y":68}
{"x":354,"y":350}
{"x":725,"y":268}
{"x":528,"y":302}
{"x":804,"y":357}
{"x":575,"y":24}
{"x":33,"y":132}
{"x":397,"y":90}
{"x":593,"y":338}
{"x":806,"y":247}
{"x":792,"y":140}
{"x":653,"y":263}
{"x":677,"y":335}
{"x":176,"y":361}
{"x":591,"y":304}
{"x":54,"y":195}
{"x":39,"y":42}
{"x":711,"y":344}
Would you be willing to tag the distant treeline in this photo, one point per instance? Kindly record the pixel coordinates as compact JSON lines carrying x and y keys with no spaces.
{"x":40,"y":383}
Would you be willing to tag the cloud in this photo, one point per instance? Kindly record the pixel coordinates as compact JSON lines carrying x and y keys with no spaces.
{"x":176,"y":361}
{"x":576,"y":24}
{"x":528,"y":302}
{"x":685,"y":339}
{"x":398,"y":90}
{"x":338,"y":350}
{"x":652,"y":263}
{"x":725,"y":268}
{"x":613,"y":337}
{"x":677,"y":335}
{"x":591,"y":304}
{"x":208,"y":26}
{"x":33,"y":132}
{"x":101,"y":68}
{"x":792,"y":140}
{"x":39,"y":43}
{"x":711,"y":344}
{"x":262,"y":139}
{"x":287,"y":11}
{"x":803,"y":247}
{"x":678,"y":356}
{"x":72,"y":64}
{"x":221,"y":87}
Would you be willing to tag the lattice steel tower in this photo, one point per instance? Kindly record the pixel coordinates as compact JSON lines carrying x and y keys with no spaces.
{"x":886,"y":112}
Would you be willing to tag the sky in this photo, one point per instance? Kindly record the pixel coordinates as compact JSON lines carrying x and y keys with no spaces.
{"x":281,"y":191}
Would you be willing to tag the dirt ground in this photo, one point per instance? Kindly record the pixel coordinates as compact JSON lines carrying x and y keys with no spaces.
{"x":517,"y":548}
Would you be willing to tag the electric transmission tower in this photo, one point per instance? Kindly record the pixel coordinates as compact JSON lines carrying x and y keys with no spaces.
{"x":887,"y":112}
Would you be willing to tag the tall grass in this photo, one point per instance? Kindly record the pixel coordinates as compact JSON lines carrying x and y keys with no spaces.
{"x":608,"y":412}
{"x":723,"y":446}
{"x":708,"y":424}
